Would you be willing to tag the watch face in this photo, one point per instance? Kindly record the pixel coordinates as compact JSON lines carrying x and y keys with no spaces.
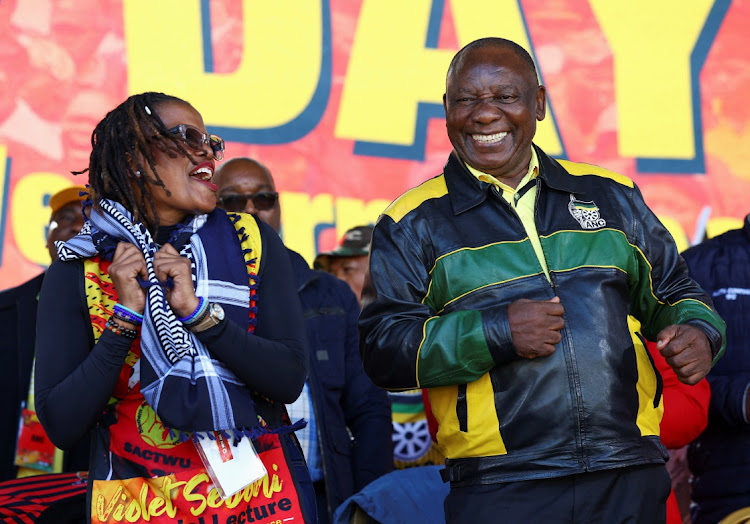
{"x":217,"y":311}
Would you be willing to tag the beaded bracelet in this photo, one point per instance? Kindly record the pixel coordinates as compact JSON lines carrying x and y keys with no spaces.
{"x":117,"y":329}
{"x":127,"y":315}
{"x":129,"y":320}
{"x":197,"y":320}
{"x":196,"y":315}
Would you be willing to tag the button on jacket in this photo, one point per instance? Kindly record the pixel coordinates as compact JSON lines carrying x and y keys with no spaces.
{"x":448,"y":257}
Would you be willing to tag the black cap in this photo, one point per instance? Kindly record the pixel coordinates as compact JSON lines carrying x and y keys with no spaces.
{"x":355,"y":242}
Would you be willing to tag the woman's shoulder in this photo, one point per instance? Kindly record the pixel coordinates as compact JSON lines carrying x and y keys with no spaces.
{"x":63,"y":282}
{"x":63,"y":271}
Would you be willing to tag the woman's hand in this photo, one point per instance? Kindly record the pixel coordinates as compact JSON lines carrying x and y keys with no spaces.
{"x":127,"y":264}
{"x":169,"y":263}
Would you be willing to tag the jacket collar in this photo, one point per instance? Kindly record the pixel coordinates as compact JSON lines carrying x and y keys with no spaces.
{"x":464,"y":189}
{"x":556,"y":176}
{"x":466,"y":192}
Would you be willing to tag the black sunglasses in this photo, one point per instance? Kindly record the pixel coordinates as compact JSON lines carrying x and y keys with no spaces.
{"x":237,"y":202}
{"x":194,"y":138}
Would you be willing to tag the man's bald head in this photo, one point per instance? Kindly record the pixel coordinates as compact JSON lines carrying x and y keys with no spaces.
{"x":245,"y":178}
{"x":497,"y":43}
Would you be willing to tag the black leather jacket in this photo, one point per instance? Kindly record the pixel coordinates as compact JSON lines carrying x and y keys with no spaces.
{"x":449,"y":256}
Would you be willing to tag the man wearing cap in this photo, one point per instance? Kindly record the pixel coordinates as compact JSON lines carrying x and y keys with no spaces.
{"x":347,"y":442}
{"x":349,"y":260}
{"x":18,"y":323}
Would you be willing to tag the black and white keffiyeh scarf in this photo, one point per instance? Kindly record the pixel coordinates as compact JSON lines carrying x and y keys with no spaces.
{"x":188,"y":388}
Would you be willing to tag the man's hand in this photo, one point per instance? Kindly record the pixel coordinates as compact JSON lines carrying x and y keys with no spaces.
{"x":687,"y":350}
{"x":535,"y":326}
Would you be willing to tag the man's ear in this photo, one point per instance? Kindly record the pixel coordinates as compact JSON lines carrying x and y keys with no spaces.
{"x":541,"y":103}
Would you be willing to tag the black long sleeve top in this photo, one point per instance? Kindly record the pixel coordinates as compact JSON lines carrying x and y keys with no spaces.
{"x":75,"y":377}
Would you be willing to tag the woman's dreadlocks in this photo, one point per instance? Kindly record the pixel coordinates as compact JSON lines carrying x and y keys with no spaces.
{"x":119,"y":143}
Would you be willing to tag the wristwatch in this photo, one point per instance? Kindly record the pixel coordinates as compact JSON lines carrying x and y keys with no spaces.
{"x":214,"y":316}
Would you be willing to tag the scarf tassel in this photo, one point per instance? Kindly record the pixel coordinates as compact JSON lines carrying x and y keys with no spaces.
{"x":251,"y":433}
{"x":237,"y":433}
{"x":145,"y":284}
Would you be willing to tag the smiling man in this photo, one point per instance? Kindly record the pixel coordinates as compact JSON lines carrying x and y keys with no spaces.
{"x":504,"y":287}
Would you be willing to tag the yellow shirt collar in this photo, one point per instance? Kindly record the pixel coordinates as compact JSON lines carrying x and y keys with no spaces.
{"x":532,"y":173}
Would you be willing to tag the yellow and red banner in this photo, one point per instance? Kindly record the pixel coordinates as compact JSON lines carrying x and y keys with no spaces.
{"x":342,"y":99}
{"x":192,"y":494}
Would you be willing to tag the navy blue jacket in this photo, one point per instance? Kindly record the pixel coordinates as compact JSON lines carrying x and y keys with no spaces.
{"x":353,"y":415}
{"x":18,"y":322}
{"x":720,"y":457}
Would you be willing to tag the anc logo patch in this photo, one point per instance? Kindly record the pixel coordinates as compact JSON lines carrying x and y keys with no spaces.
{"x":586,"y":213}
{"x":412,"y":444}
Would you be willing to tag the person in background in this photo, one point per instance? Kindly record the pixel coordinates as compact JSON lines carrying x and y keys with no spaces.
{"x":18,"y":311}
{"x":412,"y":445}
{"x":685,"y":417}
{"x":504,"y":286}
{"x":348,"y":261}
{"x":172,"y":330}
{"x":347,"y":442}
{"x":719,"y":459}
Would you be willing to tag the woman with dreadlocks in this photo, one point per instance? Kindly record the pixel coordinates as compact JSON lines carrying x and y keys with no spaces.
{"x":172,"y":329}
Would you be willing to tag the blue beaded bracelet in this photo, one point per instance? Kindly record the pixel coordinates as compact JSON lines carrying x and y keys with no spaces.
{"x":192,"y":317}
{"x":128,"y":315}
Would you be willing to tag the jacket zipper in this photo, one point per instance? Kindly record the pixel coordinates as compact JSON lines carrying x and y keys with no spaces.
{"x":568,"y":355}
{"x":567,"y":344}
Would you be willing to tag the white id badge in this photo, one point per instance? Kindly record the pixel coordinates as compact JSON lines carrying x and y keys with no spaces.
{"x":231,"y":468}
